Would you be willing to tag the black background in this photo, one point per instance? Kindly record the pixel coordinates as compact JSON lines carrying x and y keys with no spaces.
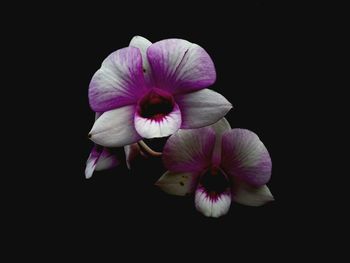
{"x":253,"y":49}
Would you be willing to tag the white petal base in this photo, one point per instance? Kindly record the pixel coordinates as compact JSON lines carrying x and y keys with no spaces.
{"x":150,"y":128}
{"x":212,"y":207}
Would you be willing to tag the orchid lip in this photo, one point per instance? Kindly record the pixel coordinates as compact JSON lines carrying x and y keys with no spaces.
{"x":155,"y":104}
{"x":214,"y":182}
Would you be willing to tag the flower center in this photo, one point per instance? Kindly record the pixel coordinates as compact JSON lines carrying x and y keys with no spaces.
{"x":156,"y":104}
{"x":214,"y":181}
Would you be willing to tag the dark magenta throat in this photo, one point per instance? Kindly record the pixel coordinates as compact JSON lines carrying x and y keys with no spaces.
{"x":156,"y":104}
{"x":214,"y":181}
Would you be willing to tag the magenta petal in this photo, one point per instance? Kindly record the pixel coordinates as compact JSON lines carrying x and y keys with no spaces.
{"x":119,"y":81}
{"x":245,"y":157}
{"x":189,"y":150}
{"x":180,"y":66}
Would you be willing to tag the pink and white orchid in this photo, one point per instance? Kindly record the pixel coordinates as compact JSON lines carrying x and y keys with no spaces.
{"x":220,"y":165}
{"x":151,"y":90}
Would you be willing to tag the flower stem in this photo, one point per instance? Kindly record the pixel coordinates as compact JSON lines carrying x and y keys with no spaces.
{"x":148,"y":150}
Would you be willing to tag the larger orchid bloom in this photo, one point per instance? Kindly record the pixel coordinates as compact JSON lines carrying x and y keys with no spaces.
{"x":151,"y":90}
{"x":220,"y":165}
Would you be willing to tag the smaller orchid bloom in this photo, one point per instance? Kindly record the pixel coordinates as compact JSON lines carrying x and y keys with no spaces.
{"x":220,"y":165}
{"x":151,"y":90}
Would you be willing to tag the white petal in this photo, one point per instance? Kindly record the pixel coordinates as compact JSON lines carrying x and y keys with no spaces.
{"x":150,"y":128}
{"x":131,"y":152}
{"x":115,"y":128}
{"x":252,"y":196}
{"x":90,"y":167}
{"x":92,"y":160}
{"x":212,"y":207}
{"x":202,"y":108}
{"x":142,"y":44}
{"x":177,"y":183}
{"x":219,"y":127}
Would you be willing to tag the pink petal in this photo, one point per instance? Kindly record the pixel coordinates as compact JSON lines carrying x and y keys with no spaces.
{"x":189,"y":150}
{"x":252,"y":196}
{"x":162,"y":127}
{"x":212,"y":206}
{"x":107,"y":160}
{"x":177,"y":183}
{"x":115,"y":128}
{"x":202,"y":108}
{"x":180,"y":66}
{"x":99,"y":159}
{"x":118,"y":82}
{"x":245,"y":157}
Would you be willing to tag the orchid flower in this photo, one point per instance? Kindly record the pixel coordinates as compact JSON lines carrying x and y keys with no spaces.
{"x":151,"y":90}
{"x":103,"y":158}
{"x":220,"y":165}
